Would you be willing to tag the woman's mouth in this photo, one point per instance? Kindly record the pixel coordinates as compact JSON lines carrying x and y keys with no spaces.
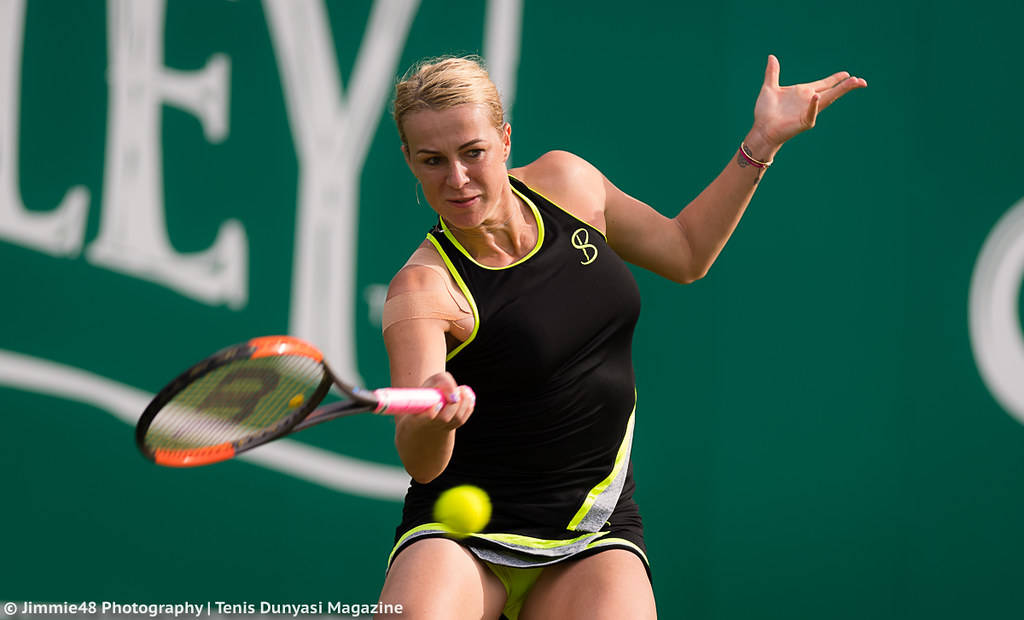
{"x":464,"y":202}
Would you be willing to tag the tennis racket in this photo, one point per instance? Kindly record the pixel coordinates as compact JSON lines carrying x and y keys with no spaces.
{"x":254,"y":392}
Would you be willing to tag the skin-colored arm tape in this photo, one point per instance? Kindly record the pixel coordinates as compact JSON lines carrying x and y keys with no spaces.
{"x":428,"y":257}
{"x":420,"y":305}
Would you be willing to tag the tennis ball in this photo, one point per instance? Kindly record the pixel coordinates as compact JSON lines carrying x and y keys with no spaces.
{"x":296,"y":401}
{"x":465,"y":509}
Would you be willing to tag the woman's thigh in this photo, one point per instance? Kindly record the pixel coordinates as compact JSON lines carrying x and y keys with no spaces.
{"x":437,"y":578}
{"x":610,"y":584}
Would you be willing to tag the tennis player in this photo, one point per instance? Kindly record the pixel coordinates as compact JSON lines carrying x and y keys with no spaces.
{"x":521,"y":291}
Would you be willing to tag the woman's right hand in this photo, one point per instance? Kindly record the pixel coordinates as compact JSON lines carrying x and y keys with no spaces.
{"x":459,"y":403}
{"x":425,"y":440}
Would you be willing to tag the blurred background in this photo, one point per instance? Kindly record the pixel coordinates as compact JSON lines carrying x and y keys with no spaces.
{"x":829,"y":423}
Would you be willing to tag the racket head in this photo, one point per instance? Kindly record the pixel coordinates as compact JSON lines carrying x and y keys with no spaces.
{"x":236,"y":399}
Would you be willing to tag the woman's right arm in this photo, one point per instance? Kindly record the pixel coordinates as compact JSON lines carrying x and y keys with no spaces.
{"x":416,"y":352}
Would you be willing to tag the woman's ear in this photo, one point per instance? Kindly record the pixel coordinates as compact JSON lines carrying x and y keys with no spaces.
{"x":506,"y":139}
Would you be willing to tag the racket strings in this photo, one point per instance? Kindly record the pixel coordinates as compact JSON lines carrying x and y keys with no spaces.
{"x":236,"y":403}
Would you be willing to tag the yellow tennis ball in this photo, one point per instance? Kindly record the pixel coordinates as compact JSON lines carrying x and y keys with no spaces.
{"x":296,"y":400}
{"x":465,"y":509}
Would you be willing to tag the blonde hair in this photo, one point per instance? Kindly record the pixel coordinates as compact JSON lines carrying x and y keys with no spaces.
{"x":445,"y":82}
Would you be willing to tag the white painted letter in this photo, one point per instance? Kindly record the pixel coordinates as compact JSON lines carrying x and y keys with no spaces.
{"x":501,"y":47}
{"x":332,"y":135}
{"x":58,"y":232}
{"x":133,"y":235}
{"x":994,"y":312}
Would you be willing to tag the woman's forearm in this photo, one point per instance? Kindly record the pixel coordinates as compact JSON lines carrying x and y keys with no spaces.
{"x":710,"y":219}
{"x":424,"y":450}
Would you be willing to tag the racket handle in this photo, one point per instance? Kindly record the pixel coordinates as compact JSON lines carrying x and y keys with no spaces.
{"x":407,"y":400}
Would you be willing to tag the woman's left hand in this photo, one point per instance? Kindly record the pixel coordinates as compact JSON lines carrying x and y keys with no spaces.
{"x":782,"y":112}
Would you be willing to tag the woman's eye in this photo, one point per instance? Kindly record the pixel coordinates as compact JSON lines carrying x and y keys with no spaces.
{"x":432,"y":161}
{"x":475,"y":153}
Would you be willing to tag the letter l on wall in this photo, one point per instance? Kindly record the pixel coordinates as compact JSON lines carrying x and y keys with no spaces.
{"x":58,"y":232}
{"x":133,"y":236}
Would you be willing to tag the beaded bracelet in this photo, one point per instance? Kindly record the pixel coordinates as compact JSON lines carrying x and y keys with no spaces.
{"x":753,"y":162}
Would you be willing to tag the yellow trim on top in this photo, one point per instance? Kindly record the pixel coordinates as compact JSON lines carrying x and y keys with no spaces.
{"x":465,"y":291}
{"x":509,"y":539}
{"x":405,"y":537}
{"x":523,"y":541}
{"x":536,"y":543}
{"x":620,"y":459}
{"x":561,"y":208}
{"x":540,"y":237}
{"x":619,"y":541}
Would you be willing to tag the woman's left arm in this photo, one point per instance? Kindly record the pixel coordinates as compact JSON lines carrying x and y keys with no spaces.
{"x":683,"y":248}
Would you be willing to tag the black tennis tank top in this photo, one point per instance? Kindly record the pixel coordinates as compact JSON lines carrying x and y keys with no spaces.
{"x":550,"y":361}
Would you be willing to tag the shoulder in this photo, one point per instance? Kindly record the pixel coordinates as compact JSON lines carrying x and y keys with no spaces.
{"x":425,"y":289}
{"x":424,"y":271}
{"x":560,"y":170}
{"x":570,"y":181}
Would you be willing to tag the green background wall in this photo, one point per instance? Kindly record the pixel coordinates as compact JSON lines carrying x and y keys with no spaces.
{"x":814,"y":439}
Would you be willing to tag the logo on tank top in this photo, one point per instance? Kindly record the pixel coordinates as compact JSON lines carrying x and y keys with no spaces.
{"x":581,"y":241}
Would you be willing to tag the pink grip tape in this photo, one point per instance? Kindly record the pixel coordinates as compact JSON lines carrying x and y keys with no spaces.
{"x":407,"y":400}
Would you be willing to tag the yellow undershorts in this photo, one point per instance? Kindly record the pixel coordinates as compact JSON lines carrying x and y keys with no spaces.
{"x":517,"y":582}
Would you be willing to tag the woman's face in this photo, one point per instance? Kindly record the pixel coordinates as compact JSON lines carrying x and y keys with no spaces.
{"x":459,"y":158}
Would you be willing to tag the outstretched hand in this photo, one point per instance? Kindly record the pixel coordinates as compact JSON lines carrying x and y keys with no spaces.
{"x":458,"y":406}
{"x":782,"y":112}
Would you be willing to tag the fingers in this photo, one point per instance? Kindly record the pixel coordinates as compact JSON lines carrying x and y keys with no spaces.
{"x":445,"y":382}
{"x":458,"y":406}
{"x":812,"y":111}
{"x":771,"y":72}
{"x":831,"y":81}
{"x":783,"y":112}
{"x":839,"y":89}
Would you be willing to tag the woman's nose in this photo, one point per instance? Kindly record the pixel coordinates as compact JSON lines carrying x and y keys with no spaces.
{"x":458,"y":175}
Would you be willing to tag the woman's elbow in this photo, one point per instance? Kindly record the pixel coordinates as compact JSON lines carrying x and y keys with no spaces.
{"x":697,"y":274}
{"x":422,"y":476}
{"x":687,"y":274}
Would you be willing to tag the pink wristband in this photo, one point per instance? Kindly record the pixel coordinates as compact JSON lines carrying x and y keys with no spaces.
{"x":753,"y":162}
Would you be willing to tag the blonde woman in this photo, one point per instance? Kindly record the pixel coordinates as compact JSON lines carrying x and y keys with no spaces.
{"x":521,"y":292}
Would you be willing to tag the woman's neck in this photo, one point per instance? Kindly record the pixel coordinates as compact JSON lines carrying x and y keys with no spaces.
{"x":503,"y":239}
